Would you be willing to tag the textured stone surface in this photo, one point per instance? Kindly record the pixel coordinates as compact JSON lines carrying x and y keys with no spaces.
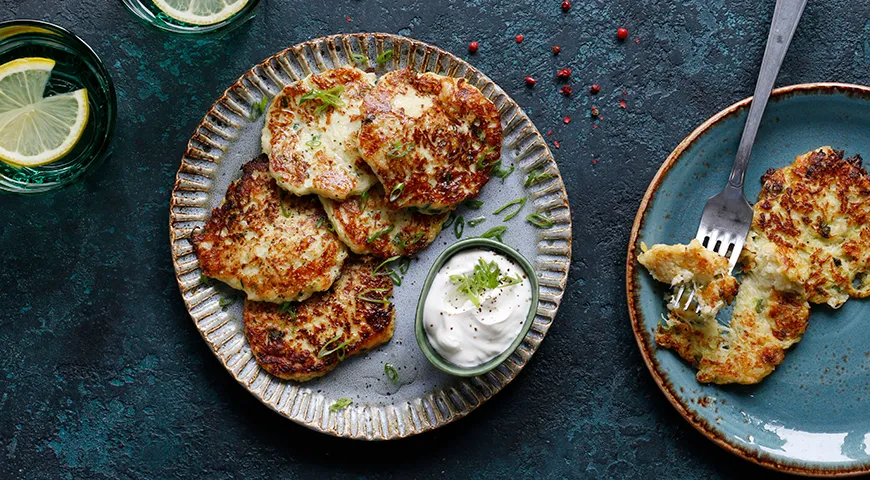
{"x":102,"y":374}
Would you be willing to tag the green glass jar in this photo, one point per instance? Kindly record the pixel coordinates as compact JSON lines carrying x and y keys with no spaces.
{"x":76,"y":67}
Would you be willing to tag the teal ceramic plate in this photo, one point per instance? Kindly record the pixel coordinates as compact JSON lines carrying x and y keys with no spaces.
{"x":812,"y":415}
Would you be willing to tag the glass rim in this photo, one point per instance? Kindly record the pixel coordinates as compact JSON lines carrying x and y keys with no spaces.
{"x":135,"y":8}
{"x":106,"y":83}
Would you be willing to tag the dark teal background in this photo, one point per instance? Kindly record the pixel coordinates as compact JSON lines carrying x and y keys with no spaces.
{"x":102,"y":374}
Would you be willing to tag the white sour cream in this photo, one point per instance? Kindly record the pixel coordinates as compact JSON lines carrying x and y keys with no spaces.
{"x":463,"y":334}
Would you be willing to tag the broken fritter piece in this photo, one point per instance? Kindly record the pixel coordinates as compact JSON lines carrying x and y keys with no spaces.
{"x":305,"y":340}
{"x":269,"y":244}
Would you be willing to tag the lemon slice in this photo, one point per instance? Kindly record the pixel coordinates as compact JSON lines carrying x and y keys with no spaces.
{"x":201,"y":12}
{"x":36,"y":130}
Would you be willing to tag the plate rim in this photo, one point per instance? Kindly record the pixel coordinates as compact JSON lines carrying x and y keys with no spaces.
{"x":631,"y":273}
{"x":382,"y":429}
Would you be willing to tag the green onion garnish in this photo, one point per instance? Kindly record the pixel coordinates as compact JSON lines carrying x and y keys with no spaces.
{"x":495,"y":232}
{"x":314,"y":142}
{"x":360,"y":59}
{"x":389,"y":260}
{"x":284,"y":212}
{"x":364,"y":296}
{"x":537,"y":176}
{"x":481,"y":160}
{"x":288,"y":307}
{"x":459,"y":226}
{"x":259,"y":108}
{"x":326,"y":350}
{"x":473,"y":203}
{"x":363,"y":201}
{"x":328,"y":98}
{"x":450,"y":219}
{"x":204,"y":280}
{"x":404,"y":265}
{"x":539,"y":220}
{"x":340,"y":404}
{"x":476,"y":221}
{"x":502,"y":172}
{"x":401,"y":149}
{"x":371,"y":238}
{"x":385,"y":57}
{"x":485,"y":276}
{"x":520,"y":201}
{"x":223,"y":302}
{"x":391,"y":372}
{"x":396,"y":192}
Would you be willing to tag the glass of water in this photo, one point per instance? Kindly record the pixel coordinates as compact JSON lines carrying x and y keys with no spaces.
{"x":197,"y":17}
{"x":64,"y":64}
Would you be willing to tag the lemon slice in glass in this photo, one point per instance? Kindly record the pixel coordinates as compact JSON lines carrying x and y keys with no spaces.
{"x":35,"y":130}
{"x":201,"y":12}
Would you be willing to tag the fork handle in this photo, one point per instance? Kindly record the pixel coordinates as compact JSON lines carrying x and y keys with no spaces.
{"x":786,"y":15}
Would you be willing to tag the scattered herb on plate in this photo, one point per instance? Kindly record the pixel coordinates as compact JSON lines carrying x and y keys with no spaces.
{"x":520,"y":201}
{"x":485,"y":276}
{"x":391,"y":372}
{"x":340,"y":404}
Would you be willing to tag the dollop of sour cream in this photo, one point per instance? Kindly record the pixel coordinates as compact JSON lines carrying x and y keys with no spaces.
{"x":466,"y":335}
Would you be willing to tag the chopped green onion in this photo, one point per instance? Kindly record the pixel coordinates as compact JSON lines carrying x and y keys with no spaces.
{"x":288,"y":307}
{"x":539,"y":220}
{"x":360,"y":59}
{"x":450,"y":219}
{"x":314,"y":142}
{"x":404,"y":264}
{"x":259,"y":108}
{"x":759,"y":305}
{"x":389,"y":260}
{"x":385,"y":57}
{"x":396,"y":192}
{"x":326,"y":350}
{"x":520,"y":201}
{"x":481,"y":160}
{"x":204,"y":280}
{"x":391,"y":372}
{"x":502,"y":172}
{"x":340,"y":404}
{"x":284,"y":212}
{"x":485,"y":276}
{"x":371,"y":238}
{"x":363,"y":296}
{"x":400,"y":149}
{"x":223,"y":302}
{"x":495,"y":232}
{"x":402,"y":242}
{"x":328,"y":98}
{"x":473,"y":203}
{"x":363,"y":201}
{"x":476,"y":221}
{"x":537,"y":176}
{"x":459,"y":227}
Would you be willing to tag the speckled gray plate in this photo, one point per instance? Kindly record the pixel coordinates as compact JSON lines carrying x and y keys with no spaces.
{"x":424,"y":397}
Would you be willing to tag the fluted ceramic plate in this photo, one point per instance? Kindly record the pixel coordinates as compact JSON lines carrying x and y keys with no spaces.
{"x":424,"y":398}
{"x":810,"y":416}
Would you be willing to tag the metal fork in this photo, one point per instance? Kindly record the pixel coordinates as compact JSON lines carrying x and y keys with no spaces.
{"x":728,"y":215}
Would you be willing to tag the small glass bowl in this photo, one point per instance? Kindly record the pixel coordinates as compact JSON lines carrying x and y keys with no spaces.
{"x":76,"y":66}
{"x":147,"y":12}
{"x":423,"y":340}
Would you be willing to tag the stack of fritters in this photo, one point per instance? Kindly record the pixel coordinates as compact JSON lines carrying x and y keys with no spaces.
{"x":347,"y":163}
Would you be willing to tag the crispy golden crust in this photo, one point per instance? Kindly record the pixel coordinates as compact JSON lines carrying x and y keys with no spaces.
{"x":676,"y":264}
{"x":317,"y":153}
{"x":817,"y":213}
{"x":367,"y":226}
{"x":437,"y":136}
{"x":267,"y":243}
{"x":294,"y":344}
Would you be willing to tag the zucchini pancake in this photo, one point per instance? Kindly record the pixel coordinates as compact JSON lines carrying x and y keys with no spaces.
{"x":311,"y":133}
{"x":809,"y":243}
{"x":431,"y":140}
{"x":267,"y":243}
{"x":284,"y":228}
{"x":301,"y":341}
{"x":367,"y":226}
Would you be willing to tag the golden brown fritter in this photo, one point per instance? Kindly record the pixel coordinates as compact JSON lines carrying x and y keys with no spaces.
{"x":431,"y":140}
{"x":312,"y":145}
{"x":816,"y":212}
{"x":305,"y":340}
{"x":272,"y":245}
{"x":367,"y":226}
